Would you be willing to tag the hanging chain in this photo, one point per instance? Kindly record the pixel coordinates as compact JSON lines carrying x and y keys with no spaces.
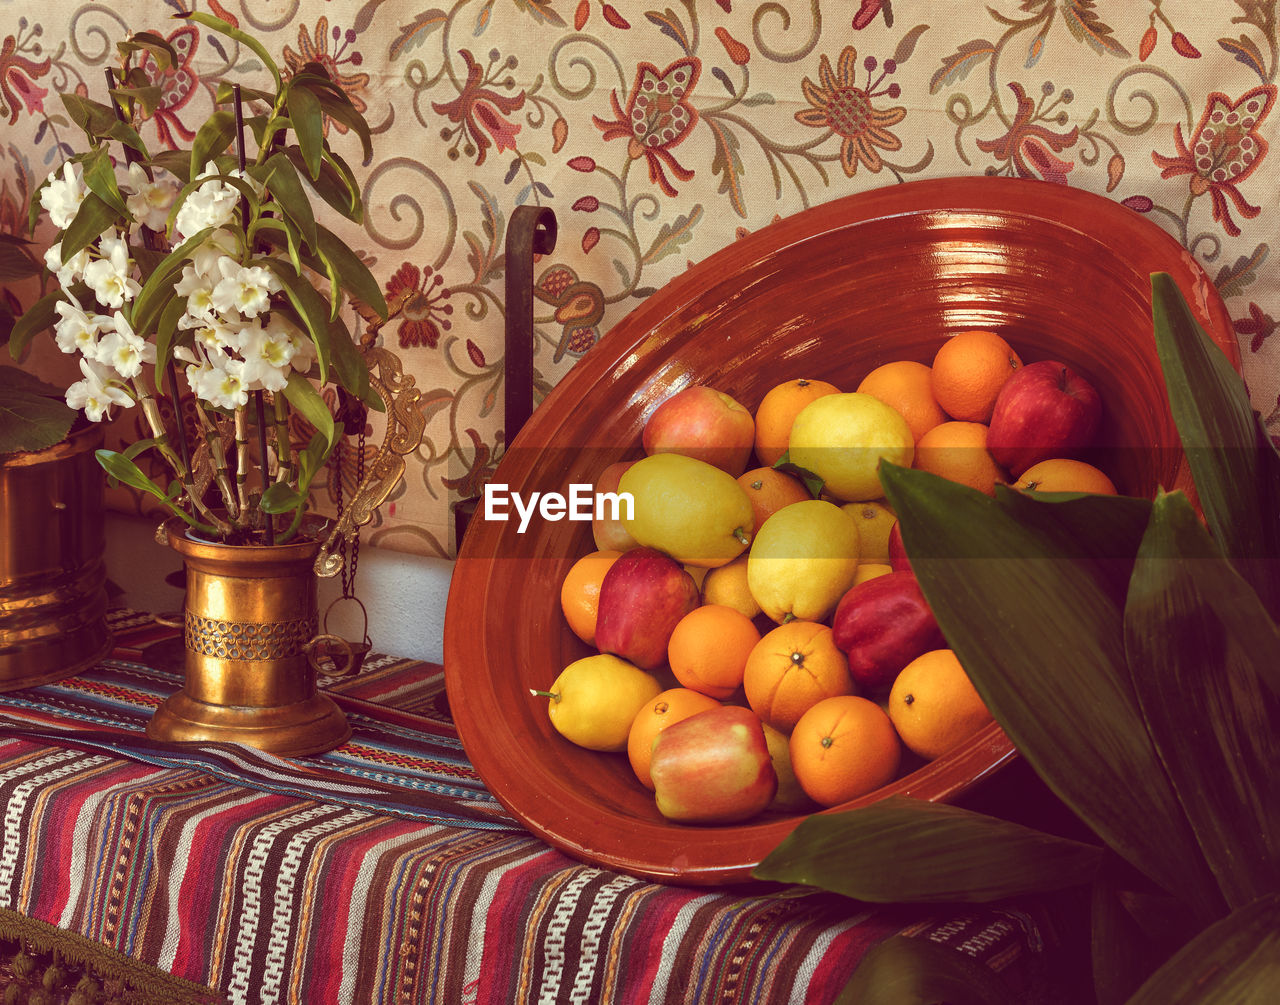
{"x":350,"y":410}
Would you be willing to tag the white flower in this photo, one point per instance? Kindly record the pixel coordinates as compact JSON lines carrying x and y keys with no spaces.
{"x":219,"y":382}
{"x":267,"y":353}
{"x":215,"y":334}
{"x":197,"y":287}
{"x":72,"y":271}
{"x":123,"y":350}
{"x":109,"y":277}
{"x":76,"y":329}
{"x":97,"y":392}
{"x":150,"y":201}
{"x":212,"y":204}
{"x":62,"y":196}
{"x":243,"y":289}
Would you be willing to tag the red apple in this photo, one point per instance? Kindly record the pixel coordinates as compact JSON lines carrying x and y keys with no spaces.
{"x":713,"y":767}
{"x":642,"y":597}
{"x":611,"y":534}
{"x":881,"y":625}
{"x":898,"y":560}
{"x":1044,"y":410}
{"x":704,"y":423}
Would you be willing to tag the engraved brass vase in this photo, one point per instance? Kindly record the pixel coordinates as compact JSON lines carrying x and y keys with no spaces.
{"x":249,"y":624}
{"x":53,"y":596}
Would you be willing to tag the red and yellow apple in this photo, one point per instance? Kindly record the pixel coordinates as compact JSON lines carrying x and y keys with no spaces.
{"x":702,"y":422}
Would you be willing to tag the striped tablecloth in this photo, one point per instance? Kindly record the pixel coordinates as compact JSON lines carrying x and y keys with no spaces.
{"x":382,"y":871}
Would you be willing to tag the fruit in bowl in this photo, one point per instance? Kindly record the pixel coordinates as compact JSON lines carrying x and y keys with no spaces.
{"x":932,"y":259}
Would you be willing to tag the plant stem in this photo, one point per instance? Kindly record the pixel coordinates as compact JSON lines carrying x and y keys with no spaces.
{"x":242,"y":460}
{"x":284,"y":450}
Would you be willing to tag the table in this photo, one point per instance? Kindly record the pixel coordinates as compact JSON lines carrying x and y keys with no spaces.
{"x":384,"y":871}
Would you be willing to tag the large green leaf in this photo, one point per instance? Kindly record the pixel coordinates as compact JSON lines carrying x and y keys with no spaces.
{"x":906,"y":971}
{"x":245,"y":39}
{"x":16,"y":260}
{"x":1235,"y":960}
{"x":91,"y":219}
{"x":281,"y":179}
{"x":903,"y":850}
{"x":31,"y":421}
{"x":1235,"y":467}
{"x":157,"y":291}
{"x":1204,"y":656}
{"x":350,"y":367}
{"x":37,"y":318}
{"x":1120,"y":951}
{"x":306,"y":399}
{"x":308,"y":125}
{"x":1042,"y":638}
{"x":352,"y":273}
{"x":214,"y":137}
{"x":100,"y":179}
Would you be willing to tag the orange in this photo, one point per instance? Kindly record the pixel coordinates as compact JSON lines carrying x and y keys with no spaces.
{"x":958,"y":451}
{"x":580,"y":592}
{"x":843,"y":748}
{"x":1062,"y":474}
{"x":668,"y":707}
{"x":793,"y":668}
{"x":727,"y":585}
{"x":906,"y":386}
{"x":709,"y":647}
{"x":778,"y":410}
{"x":968,"y":372}
{"x":933,"y":705}
{"x":769,"y":490}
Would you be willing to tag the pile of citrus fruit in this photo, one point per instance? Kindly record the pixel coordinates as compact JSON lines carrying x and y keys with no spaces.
{"x":760,"y":568}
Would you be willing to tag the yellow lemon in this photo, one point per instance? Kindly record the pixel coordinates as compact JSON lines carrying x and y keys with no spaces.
{"x":692,"y":510}
{"x":790,"y":796}
{"x":728,"y":587}
{"x":803,"y":560}
{"x":841,"y":438}
{"x":870,"y":570}
{"x":594,"y":700}
{"x":875,"y":520}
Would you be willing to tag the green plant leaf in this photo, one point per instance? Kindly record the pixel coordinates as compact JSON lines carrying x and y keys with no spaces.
{"x":906,"y":971}
{"x":31,"y":421}
{"x":1043,"y":641}
{"x":166,"y":327}
{"x":1233,"y":960}
{"x":213,"y":138}
{"x":248,"y":41}
{"x":100,"y":179}
{"x":312,"y":309}
{"x":335,"y":104}
{"x":16,"y":262}
{"x":37,"y":318}
{"x":280,"y":497}
{"x":306,"y":399}
{"x":308,"y":125}
{"x":354,"y":275}
{"x":812,"y":482}
{"x":158,"y":288}
{"x":903,"y":850}
{"x":176,"y":162}
{"x":1120,"y":952}
{"x":350,"y":368}
{"x":93,"y":117}
{"x":150,"y":42}
{"x":123,"y":470}
{"x":1203,"y":653}
{"x":1235,"y":467}
{"x":91,"y":219}
{"x":338,"y":188}
{"x":282,"y":181}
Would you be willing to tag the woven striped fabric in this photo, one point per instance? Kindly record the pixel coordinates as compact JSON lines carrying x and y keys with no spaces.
{"x":346,"y":879}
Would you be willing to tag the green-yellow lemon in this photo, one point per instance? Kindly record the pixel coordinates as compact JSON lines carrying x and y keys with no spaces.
{"x":842,"y":438}
{"x":789,"y":797}
{"x":594,"y":700}
{"x":692,"y":510}
{"x":802,"y":560}
{"x":875,"y":520}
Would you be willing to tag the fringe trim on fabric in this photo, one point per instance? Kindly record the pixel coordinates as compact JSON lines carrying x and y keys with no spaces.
{"x":147,"y":985}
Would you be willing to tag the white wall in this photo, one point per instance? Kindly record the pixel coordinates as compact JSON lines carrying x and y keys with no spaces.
{"x":404,"y":594}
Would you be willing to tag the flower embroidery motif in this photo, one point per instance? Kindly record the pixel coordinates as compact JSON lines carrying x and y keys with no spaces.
{"x":177,"y":84}
{"x":18,"y":80}
{"x":1032,"y":148}
{"x":1224,"y":149}
{"x":657,"y":116}
{"x":478,"y":110}
{"x":835,"y":103}
{"x":579,"y":307}
{"x":315,"y":49}
{"x":425,"y":313}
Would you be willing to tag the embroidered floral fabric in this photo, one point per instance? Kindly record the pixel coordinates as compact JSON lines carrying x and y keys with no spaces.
{"x":659,"y":133}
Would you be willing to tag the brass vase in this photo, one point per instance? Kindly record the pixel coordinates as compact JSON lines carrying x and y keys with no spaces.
{"x":53,"y":596}
{"x":250,"y":623}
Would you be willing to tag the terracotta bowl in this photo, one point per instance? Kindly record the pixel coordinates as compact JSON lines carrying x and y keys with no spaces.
{"x":830,"y":292}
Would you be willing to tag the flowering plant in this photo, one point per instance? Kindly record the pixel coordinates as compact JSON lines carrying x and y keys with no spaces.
{"x":195,"y":267}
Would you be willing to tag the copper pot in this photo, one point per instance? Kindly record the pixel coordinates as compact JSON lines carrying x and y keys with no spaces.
{"x":53,"y":597}
{"x":250,"y":622}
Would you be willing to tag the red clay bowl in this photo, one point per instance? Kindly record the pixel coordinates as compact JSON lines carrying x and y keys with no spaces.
{"x":830,"y":292}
